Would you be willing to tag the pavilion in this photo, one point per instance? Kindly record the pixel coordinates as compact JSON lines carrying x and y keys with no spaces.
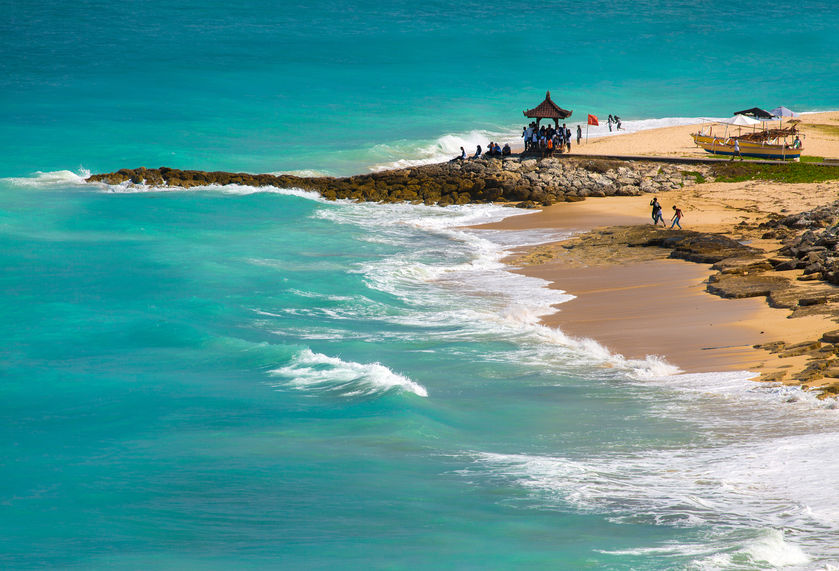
{"x":547,"y":109}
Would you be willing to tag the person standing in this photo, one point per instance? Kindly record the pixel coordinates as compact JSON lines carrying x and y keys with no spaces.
{"x":657,"y":215}
{"x":579,"y":134}
{"x":609,"y":121}
{"x":677,"y":216}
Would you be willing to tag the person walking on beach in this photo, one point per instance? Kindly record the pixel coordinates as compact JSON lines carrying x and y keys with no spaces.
{"x":579,"y":134}
{"x":657,"y":215}
{"x":736,"y":150}
{"x":677,"y":215}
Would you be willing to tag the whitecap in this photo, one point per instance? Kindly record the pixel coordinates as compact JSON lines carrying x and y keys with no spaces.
{"x":50,"y":179}
{"x":318,"y":372}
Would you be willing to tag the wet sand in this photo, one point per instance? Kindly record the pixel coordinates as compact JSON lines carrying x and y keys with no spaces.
{"x":637,"y":302}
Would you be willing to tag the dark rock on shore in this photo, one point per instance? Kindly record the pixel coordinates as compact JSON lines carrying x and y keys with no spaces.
{"x":702,"y":247}
{"x":816,"y":250}
{"x":740,"y":286}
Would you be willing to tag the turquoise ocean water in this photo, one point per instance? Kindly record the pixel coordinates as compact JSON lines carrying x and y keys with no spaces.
{"x":255,"y":378}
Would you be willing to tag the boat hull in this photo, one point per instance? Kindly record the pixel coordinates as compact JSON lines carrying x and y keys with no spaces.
{"x":721,"y":146}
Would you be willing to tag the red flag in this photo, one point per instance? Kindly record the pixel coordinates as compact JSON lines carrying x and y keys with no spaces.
{"x":592,"y":120}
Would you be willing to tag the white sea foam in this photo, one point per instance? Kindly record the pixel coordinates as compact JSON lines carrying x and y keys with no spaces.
{"x":317,"y":372}
{"x":767,"y":549}
{"x":50,"y":179}
{"x":306,"y":173}
{"x":232,"y":189}
{"x":766,"y":502}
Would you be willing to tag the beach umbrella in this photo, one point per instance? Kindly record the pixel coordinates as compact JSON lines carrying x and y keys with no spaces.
{"x":783,"y":112}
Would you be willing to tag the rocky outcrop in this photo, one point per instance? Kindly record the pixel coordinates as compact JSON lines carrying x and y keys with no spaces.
{"x":816,"y":252}
{"x":528,"y":181}
{"x":701,"y":247}
{"x":822,"y":364}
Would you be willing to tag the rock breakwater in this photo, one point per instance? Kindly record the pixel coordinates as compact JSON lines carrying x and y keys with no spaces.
{"x":527,"y":181}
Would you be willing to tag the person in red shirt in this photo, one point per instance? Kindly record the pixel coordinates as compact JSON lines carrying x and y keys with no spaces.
{"x":677,"y":215}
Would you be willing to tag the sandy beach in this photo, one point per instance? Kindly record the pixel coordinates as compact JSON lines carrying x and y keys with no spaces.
{"x":821,"y":139}
{"x":637,"y":302}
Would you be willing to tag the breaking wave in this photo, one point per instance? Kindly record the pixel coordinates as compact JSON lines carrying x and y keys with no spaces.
{"x":318,"y":372}
{"x":50,"y":179}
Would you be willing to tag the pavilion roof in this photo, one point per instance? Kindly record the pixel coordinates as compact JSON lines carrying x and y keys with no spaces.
{"x":547,"y":109}
{"x":755,"y":112}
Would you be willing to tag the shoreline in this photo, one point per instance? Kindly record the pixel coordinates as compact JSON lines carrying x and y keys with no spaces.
{"x":638,"y":302}
{"x":662,"y":301}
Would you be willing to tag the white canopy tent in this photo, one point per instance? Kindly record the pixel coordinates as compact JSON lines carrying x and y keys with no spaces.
{"x":741,"y":121}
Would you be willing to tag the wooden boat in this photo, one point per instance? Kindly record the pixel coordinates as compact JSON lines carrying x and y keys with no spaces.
{"x":764,"y":144}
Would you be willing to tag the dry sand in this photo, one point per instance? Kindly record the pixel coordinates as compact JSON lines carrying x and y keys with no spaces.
{"x":821,"y":139}
{"x":648,"y":305}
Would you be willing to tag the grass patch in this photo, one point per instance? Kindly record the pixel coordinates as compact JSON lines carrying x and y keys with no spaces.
{"x":786,"y":172}
{"x":830,"y":130}
{"x":697,"y":176}
{"x":807,"y":159}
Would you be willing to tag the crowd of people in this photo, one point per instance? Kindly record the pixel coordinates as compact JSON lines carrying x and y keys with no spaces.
{"x":493,"y":150}
{"x":547,"y":139}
